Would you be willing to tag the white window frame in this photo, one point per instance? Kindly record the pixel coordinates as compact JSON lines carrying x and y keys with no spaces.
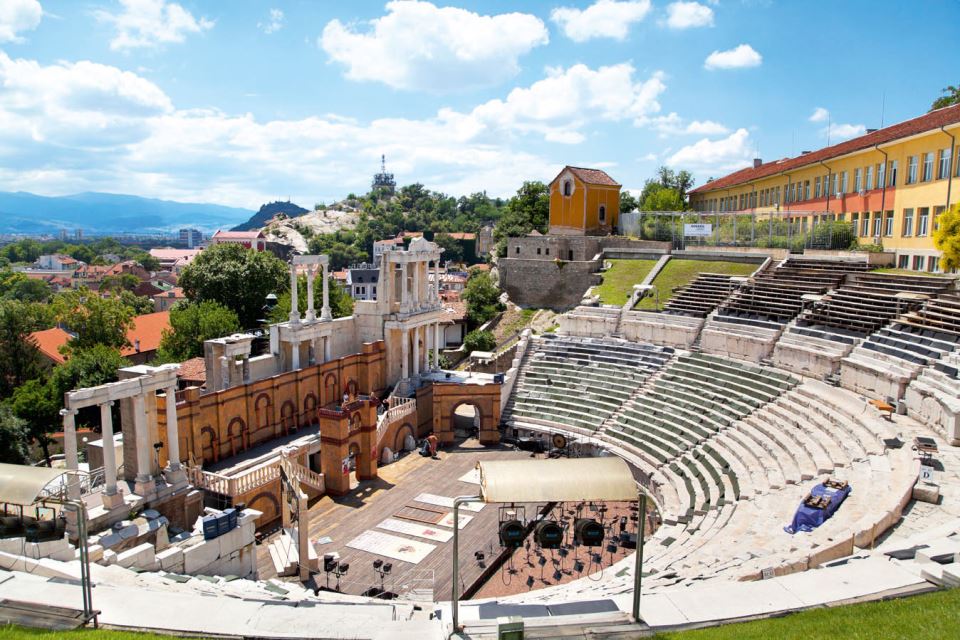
{"x":912,"y":165}
{"x":857,"y":180}
{"x":923,"y":222}
{"x":868,"y":186}
{"x":906,"y":229}
{"x":926,"y":174}
{"x":943,"y":169}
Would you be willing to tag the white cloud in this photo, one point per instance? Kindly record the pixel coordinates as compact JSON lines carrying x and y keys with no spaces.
{"x":17,"y":16}
{"x":151,"y":23}
{"x":650,"y":157}
{"x":78,"y":126}
{"x":819,"y":115}
{"x":602,"y":19}
{"x":736,"y":58}
{"x":727,"y":154}
{"x":685,"y":15}
{"x":672,"y":125}
{"x":275,"y":23}
{"x":837,"y":132}
{"x":419,"y":46}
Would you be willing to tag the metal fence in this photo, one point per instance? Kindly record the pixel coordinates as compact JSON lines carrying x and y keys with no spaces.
{"x":793,"y":230}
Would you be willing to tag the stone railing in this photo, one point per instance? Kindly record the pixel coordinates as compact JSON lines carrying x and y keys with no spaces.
{"x":232,"y":486}
{"x":399,"y":408}
{"x":303,"y":475}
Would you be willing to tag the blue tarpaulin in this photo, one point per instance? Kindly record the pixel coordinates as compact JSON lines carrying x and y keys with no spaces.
{"x":808,"y":518}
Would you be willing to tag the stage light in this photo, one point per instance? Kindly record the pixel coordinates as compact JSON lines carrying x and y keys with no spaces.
{"x":549,"y":534}
{"x":387,"y":567}
{"x":342,"y":568}
{"x":377,"y":564}
{"x":329,"y":563}
{"x":512,"y":533}
{"x":588,"y":532}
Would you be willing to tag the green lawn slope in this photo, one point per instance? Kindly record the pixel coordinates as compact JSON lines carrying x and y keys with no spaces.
{"x":619,"y":279}
{"x":677,"y":273}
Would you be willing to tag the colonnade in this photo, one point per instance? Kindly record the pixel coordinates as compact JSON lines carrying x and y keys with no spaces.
{"x":431,"y":335}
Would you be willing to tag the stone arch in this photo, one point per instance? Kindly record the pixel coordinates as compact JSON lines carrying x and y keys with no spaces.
{"x":288,"y":416}
{"x":355,"y":422}
{"x":309,"y":405}
{"x":261,"y":409}
{"x":352,"y":388}
{"x":269,"y":498}
{"x":330,"y":389}
{"x":406,"y":429}
{"x":353,"y":450}
{"x":208,"y":442}
{"x":236,"y":432}
{"x":477,"y":406}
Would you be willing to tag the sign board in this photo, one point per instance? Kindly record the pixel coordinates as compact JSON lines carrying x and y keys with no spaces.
{"x":697,"y":230}
{"x":926,"y":473}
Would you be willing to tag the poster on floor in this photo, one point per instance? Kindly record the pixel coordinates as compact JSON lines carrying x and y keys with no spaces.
{"x":471,"y":477}
{"x":445,"y":501}
{"x":447,"y":520}
{"x":384,"y":544}
{"x":416,"y":530}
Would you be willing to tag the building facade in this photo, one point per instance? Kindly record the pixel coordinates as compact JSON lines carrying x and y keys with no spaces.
{"x":890,"y":183}
{"x":249,"y":239}
{"x":191,"y":237}
{"x":584,"y":202}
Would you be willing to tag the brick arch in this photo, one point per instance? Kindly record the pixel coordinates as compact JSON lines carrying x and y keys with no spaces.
{"x":261,"y":409}
{"x":352,"y":387}
{"x":402,"y":432}
{"x":331,"y":391}
{"x":236,"y":435}
{"x":288,"y":416}
{"x":453,"y":411}
{"x":206,"y":433}
{"x":269,"y":497}
{"x":310,"y":404}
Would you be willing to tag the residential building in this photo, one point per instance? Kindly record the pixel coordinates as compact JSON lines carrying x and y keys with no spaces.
{"x":57,"y":262}
{"x":191,"y":237}
{"x":379,"y":246}
{"x":454,"y":324}
{"x":163,"y":300}
{"x":583,"y":202}
{"x":902,"y":180}
{"x":174,"y":260}
{"x":144,"y":338}
{"x":249,"y":239}
{"x":361,"y":282}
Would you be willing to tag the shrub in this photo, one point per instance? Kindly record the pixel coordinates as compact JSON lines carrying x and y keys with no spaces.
{"x":479,"y":341}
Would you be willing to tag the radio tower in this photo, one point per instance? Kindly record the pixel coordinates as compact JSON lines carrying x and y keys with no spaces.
{"x":384,"y":181}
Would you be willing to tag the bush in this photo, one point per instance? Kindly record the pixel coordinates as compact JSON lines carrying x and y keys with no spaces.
{"x":479,"y":341}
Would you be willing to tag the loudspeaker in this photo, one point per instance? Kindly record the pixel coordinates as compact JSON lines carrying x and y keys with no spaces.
{"x":329,"y":562}
{"x":511,"y":534}
{"x":549,"y":534}
{"x":588,"y":532}
{"x":559,"y":441}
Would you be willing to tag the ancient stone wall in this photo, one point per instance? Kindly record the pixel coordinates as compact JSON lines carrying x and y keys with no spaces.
{"x":547,"y":284}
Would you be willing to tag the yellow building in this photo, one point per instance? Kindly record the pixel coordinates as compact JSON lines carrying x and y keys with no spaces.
{"x":583,"y":202}
{"x":891,"y":183}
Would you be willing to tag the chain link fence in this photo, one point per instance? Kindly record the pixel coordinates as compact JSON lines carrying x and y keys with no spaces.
{"x":793,"y":230}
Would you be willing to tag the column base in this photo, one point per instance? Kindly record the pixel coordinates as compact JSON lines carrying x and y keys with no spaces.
{"x":111,"y":500}
{"x":145,"y":487}
{"x":326,"y":315}
{"x":176,"y":477}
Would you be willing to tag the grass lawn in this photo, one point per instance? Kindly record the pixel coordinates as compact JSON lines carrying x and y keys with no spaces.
{"x":933,"y":615}
{"x":619,"y":279}
{"x":677,"y":273}
{"x":24,"y":633}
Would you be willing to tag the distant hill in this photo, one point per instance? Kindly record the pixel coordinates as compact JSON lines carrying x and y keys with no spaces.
{"x":22,"y":212}
{"x":267,"y":212}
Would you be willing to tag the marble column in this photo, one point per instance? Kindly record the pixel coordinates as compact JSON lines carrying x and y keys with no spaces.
{"x":294,"y":355}
{"x":436,"y":345}
{"x":327,"y":348}
{"x":294,"y":302}
{"x":436,"y":281}
{"x":311,"y":315}
{"x":416,"y":285}
{"x":142,"y":435}
{"x":416,"y":351}
{"x":70,"y":452}
{"x":225,"y":371}
{"x":404,"y":354}
{"x":173,"y":431}
{"x":109,"y":452}
{"x":403,"y":284}
{"x":325,"y":314}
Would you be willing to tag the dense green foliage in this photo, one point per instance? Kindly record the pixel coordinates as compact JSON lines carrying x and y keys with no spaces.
{"x":482,"y":297}
{"x":190,"y":325}
{"x":15,"y":285}
{"x":946,"y":237}
{"x":951,"y":95}
{"x":20,"y":360}
{"x":527,"y":211}
{"x":29,"y":250}
{"x":666,"y":192}
{"x":13,"y":437}
{"x":478,"y":340}
{"x":341,"y":304}
{"x":238,"y":278}
{"x":93,"y":320}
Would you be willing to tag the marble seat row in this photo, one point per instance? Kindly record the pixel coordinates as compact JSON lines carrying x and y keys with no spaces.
{"x":701,"y":296}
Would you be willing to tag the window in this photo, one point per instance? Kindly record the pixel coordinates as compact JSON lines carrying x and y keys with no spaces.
{"x":932,"y":262}
{"x":927,"y":167}
{"x":888,"y":224}
{"x":937,"y":212}
{"x":518,"y":250}
{"x":538,"y":252}
{"x":568,"y":187}
{"x":547,"y":250}
{"x":374,"y":291}
{"x":865,"y":225}
{"x":892,"y":178}
{"x":903,"y":262}
{"x":944,"y":169}
{"x":869,"y":184}
{"x":881,"y":174}
{"x":806,"y":189}
{"x":603,"y":214}
{"x":854,"y":218}
{"x":923,"y":219}
{"x":816,"y":187}
{"x":877,"y":223}
{"x":911,"y":169}
{"x":857,"y":181}
{"x":907,"y":223}
{"x":917,"y":263}
{"x":843,"y":184}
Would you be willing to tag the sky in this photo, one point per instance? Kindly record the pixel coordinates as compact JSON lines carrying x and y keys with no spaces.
{"x":245,"y":102}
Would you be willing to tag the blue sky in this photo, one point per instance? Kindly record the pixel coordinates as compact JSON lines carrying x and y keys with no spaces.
{"x":242,"y":102}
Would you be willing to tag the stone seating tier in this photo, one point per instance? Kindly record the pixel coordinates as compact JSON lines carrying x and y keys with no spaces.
{"x":701,"y":296}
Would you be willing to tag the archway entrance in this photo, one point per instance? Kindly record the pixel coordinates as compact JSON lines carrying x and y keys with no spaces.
{"x":465,"y":420}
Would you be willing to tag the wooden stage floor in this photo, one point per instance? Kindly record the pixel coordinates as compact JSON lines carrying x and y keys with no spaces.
{"x":345,"y":517}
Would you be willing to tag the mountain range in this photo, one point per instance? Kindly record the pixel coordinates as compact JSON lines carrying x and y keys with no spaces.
{"x":98,"y":213}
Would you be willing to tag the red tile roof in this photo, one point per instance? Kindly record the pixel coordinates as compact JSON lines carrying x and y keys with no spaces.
{"x":49,"y":342}
{"x":238,"y":235}
{"x":193,"y":370}
{"x":454,"y":312}
{"x":589,"y":176}
{"x":926,"y":122}
{"x":148,"y":329}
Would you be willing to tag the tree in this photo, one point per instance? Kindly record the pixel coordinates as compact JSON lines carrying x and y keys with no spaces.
{"x":93,"y":320}
{"x":482,"y":297}
{"x":627,"y":202}
{"x":236,"y":277}
{"x":341,"y":304}
{"x":120,"y":282}
{"x":140,"y":304}
{"x":13,"y":437}
{"x":87,"y":368}
{"x":452,"y":249}
{"x":190,"y":325}
{"x":36,"y":403}
{"x":951,"y":95}
{"x":524,"y":212}
{"x":663,"y":199}
{"x":478,"y":340}
{"x":946,"y":238}
{"x":15,"y":285}
{"x":20,"y":360}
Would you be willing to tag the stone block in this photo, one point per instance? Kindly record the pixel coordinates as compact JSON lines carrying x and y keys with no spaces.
{"x":200,"y":555}
{"x":142,"y":557}
{"x":109,"y":557}
{"x":171,"y":559}
{"x":926,"y":492}
{"x":95,"y":552}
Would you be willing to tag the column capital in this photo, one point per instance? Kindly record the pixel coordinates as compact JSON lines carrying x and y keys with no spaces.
{"x":108,"y":403}
{"x":68,"y":412}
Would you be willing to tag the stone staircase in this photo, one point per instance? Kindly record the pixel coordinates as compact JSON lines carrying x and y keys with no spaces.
{"x":285,"y":554}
